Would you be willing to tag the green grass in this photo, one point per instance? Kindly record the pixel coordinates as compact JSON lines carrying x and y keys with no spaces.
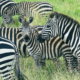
{"x":50,"y":72}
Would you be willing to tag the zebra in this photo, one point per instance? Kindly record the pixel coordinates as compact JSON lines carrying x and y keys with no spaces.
{"x":5,"y":5}
{"x":27,"y":9}
{"x":50,"y":49}
{"x":9,"y":60}
{"x":67,"y":28}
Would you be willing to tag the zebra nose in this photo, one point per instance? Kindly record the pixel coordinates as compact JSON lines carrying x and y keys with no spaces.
{"x":40,"y":39}
{"x":26,"y":38}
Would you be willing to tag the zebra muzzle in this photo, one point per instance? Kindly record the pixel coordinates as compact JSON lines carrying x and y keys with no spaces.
{"x":26,"y":38}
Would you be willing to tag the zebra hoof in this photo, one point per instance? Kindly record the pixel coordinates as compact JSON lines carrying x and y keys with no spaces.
{"x":43,"y":64}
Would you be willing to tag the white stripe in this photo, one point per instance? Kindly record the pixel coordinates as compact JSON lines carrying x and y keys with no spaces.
{"x":1,"y":42}
{"x":73,"y":37}
{"x":6,"y":50}
{"x":67,"y":34}
{"x":7,"y":58}
{"x":67,"y":26}
{"x":8,"y":63}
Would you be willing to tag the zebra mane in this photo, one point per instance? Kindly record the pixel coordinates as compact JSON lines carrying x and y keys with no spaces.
{"x":63,"y":16}
{"x":34,"y":30}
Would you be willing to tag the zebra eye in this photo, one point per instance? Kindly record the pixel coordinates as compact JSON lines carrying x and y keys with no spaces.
{"x":48,"y":26}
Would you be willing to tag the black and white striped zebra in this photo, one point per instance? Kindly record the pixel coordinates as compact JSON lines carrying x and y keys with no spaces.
{"x":50,"y":49}
{"x":4,"y":6}
{"x":28,"y":9}
{"x":9,"y":60}
{"x":67,"y":28}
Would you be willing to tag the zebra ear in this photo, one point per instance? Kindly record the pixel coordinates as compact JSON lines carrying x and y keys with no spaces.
{"x":30,"y":19}
{"x":19,"y":19}
{"x":54,"y":14}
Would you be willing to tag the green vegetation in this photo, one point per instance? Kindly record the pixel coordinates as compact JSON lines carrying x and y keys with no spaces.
{"x":50,"y":72}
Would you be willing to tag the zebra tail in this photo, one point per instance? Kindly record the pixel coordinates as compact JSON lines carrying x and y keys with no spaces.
{"x":18,"y":73}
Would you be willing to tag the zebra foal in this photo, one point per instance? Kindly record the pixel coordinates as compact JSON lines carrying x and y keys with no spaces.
{"x":9,"y":60}
{"x":27,"y":9}
{"x":50,"y":49}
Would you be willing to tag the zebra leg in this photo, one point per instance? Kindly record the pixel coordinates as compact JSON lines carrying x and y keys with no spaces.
{"x":43,"y":63}
{"x":3,"y":23}
{"x":78,"y":67}
{"x":57,"y":61}
{"x":18,"y":73}
{"x":17,"y":68}
{"x":37,"y":60}
{"x":69,"y":61}
{"x":75,"y":63}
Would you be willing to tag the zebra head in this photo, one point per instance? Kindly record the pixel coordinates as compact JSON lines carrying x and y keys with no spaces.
{"x":7,"y":18}
{"x":51,"y":27}
{"x":25,"y":27}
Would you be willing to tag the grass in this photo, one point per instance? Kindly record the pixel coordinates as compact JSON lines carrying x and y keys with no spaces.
{"x":50,"y":72}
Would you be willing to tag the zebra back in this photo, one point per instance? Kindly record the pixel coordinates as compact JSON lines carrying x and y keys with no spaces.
{"x":27,"y":9}
{"x":30,"y":8}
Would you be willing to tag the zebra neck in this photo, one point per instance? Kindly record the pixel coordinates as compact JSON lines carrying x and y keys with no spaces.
{"x":32,"y":44}
{"x":68,"y":29}
{"x":30,"y":41}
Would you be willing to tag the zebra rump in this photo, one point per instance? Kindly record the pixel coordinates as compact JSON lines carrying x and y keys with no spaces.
{"x":9,"y":59}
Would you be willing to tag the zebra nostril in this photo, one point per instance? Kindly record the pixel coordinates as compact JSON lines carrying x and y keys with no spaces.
{"x":26,"y":38}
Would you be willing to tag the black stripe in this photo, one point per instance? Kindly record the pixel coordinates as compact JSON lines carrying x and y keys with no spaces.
{"x":3,"y":62}
{"x":0,"y":31}
{"x":24,"y":49}
{"x":7,"y":33}
{"x":7,"y":54}
{"x":11,"y":34}
{"x":4,"y":40}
